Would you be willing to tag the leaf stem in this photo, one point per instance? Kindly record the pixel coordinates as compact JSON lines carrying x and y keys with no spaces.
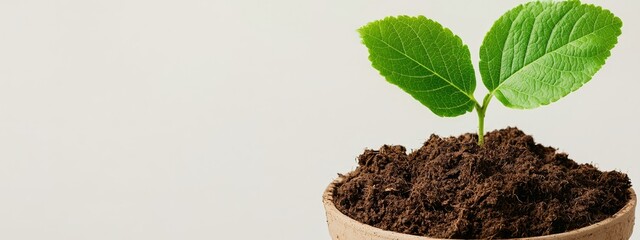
{"x":481,"y":110}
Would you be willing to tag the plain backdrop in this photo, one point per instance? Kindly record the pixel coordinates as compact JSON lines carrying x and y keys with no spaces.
{"x":155,"y":119}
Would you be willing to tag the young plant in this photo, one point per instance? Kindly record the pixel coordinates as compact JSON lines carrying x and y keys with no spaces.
{"x":533,"y":55}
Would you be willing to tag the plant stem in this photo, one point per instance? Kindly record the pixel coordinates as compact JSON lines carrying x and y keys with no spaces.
{"x":481,"y":110}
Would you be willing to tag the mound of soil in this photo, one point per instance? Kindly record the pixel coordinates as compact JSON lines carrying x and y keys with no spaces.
{"x":453,"y":188}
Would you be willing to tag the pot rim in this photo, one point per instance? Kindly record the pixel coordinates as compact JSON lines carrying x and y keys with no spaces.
{"x":327,"y":200}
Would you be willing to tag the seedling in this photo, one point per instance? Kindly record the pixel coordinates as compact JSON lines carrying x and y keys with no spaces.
{"x":533,"y":55}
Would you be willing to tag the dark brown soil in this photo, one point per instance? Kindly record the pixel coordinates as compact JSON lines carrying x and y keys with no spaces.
{"x":452,"y":188}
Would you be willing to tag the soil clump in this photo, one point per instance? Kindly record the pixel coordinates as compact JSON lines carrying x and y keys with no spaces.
{"x":452,"y":188}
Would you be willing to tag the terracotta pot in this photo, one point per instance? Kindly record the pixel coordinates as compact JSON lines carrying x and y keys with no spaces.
{"x":618,"y":227}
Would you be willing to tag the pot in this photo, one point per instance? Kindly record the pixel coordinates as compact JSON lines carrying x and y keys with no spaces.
{"x":342,"y":227}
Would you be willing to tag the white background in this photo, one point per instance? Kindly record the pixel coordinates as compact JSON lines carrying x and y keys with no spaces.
{"x":225,"y":120}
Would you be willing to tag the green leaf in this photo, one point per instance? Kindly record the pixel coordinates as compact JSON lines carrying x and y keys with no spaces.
{"x":425,"y":60}
{"x":539,"y":52}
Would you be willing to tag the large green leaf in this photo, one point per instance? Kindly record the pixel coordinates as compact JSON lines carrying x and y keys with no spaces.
{"x":539,"y":52}
{"x":425,"y":60}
